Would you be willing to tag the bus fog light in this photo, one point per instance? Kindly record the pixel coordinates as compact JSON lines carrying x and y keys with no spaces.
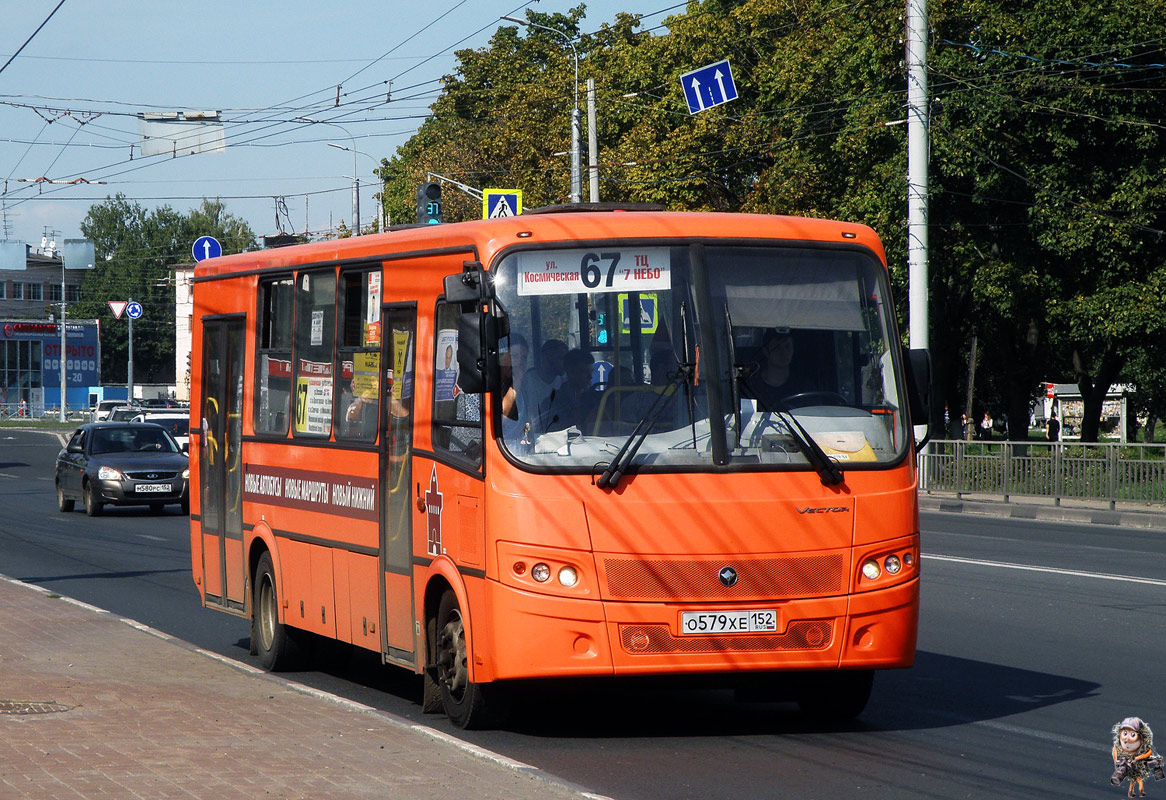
{"x":892,"y":565}
{"x":870,"y":570}
{"x":568,"y":577}
{"x":540,"y":572}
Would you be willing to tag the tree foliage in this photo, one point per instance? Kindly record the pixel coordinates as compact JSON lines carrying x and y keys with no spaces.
{"x":135,"y":250}
{"x":1046,"y":198}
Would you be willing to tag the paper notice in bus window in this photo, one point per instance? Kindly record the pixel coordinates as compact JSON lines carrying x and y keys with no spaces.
{"x":317,"y":328}
{"x":401,"y":374}
{"x":445,"y":370}
{"x":314,"y":398}
{"x":602,"y":269}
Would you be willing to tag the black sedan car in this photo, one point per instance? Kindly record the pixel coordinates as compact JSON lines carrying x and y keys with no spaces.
{"x":124,"y":464}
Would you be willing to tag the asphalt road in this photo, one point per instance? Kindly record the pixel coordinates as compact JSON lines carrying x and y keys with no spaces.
{"x":1035,"y":638}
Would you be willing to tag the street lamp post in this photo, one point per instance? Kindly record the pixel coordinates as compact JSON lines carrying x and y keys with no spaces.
{"x":64,"y":393}
{"x":355,"y":177}
{"x":576,"y":125}
{"x":355,"y":187}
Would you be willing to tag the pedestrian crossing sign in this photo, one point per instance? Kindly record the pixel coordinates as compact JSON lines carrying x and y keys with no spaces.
{"x":499,"y":203}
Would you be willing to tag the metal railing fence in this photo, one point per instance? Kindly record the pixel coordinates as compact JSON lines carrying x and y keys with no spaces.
{"x":1134,"y":473}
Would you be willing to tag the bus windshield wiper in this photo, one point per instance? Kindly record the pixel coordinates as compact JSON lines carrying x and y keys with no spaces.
{"x":618,"y":466}
{"x":825,"y":466}
{"x":687,"y":370}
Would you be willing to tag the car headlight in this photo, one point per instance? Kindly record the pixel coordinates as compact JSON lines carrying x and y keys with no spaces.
{"x":110,"y":474}
{"x":186,"y":474}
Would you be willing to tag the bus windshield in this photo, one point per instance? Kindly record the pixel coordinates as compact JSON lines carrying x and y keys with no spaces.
{"x":710,"y":356}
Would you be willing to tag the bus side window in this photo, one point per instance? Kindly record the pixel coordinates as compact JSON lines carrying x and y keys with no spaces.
{"x":457,"y":415}
{"x":358,"y":356}
{"x":315,"y":339}
{"x":274,"y":359}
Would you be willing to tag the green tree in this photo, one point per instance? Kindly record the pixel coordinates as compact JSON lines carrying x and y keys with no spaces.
{"x":135,"y":251}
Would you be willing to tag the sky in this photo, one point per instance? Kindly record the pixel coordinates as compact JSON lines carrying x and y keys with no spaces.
{"x":69,"y":102}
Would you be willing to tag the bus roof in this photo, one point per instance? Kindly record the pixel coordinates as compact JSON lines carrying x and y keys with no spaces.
{"x":485,"y":237}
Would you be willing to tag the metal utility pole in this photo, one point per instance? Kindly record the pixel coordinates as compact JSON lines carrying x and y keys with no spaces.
{"x":64,"y":394}
{"x":576,"y":121}
{"x":130,"y":360}
{"x":592,"y":143}
{"x":917,"y":156}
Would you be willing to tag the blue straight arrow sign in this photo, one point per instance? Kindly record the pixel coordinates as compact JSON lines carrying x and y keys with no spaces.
{"x":708,"y":86}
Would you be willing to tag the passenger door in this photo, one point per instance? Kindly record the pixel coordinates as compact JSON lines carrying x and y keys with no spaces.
{"x":399,"y":327}
{"x":220,"y":462}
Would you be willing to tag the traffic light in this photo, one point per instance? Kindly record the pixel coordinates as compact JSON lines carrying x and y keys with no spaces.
{"x":429,"y":203}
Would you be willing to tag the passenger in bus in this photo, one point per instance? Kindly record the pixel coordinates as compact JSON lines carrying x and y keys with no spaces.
{"x":572,"y":403}
{"x":537,"y":385}
{"x":514,"y":370}
{"x":775,"y":379}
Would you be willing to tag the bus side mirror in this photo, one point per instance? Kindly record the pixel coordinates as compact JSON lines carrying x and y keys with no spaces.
{"x":918,"y":367}
{"x":477,"y":351}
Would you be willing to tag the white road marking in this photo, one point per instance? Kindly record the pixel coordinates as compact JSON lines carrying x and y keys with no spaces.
{"x":1101,"y":576}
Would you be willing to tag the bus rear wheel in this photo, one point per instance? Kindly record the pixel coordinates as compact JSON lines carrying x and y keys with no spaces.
{"x":468,"y":705}
{"x":274,"y":643}
{"x":832,"y":697}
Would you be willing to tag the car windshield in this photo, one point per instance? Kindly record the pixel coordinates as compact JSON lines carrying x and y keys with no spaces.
{"x":786,"y":343}
{"x":132,"y":440}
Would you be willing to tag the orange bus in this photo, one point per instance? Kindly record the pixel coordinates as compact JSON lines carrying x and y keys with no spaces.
{"x":585,"y":441}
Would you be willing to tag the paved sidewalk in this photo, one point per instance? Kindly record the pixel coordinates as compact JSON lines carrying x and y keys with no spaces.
{"x":92,"y":707}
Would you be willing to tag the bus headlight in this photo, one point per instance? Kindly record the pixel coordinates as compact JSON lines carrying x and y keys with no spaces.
{"x":568,"y":577}
{"x":870,"y":569}
{"x":892,"y":565}
{"x":540,"y":572}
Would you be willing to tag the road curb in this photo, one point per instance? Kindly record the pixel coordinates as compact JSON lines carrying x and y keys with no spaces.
{"x":1143,"y":520}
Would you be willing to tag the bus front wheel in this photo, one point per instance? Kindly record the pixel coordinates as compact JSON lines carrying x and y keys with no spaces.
{"x":467,"y":704}
{"x":272,"y":641}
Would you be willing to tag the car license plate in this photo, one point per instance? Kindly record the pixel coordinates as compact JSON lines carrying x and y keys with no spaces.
{"x":751,"y":621}
{"x":156,"y":488}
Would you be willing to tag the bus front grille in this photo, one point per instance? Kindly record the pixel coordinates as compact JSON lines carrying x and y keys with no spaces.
{"x":770,"y":578}
{"x":815,"y":634}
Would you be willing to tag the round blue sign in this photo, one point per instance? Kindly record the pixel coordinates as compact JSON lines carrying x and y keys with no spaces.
{"x":134,"y":310}
{"x":206,"y":247}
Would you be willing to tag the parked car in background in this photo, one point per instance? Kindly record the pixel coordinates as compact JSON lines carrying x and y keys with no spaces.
{"x":123,"y":413}
{"x":158,"y":402}
{"x":176,"y":423}
{"x":122,"y":463}
{"x":103,"y":409}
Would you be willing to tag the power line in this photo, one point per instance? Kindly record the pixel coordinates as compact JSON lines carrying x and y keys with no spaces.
{"x":30,"y":38}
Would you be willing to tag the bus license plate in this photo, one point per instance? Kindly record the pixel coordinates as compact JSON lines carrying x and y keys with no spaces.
{"x":704,"y":622}
{"x":156,"y":488}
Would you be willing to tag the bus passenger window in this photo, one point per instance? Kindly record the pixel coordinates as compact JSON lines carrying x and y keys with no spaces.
{"x":457,"y":415}
{"x":273,"y":363}
{"x":358,"y":356}
{"x":315,"y":334}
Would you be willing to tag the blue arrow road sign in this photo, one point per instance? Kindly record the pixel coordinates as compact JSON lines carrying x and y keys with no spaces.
{"x":708,"y":86}
{"x":206,"y":247}
{"x":134,"y":310}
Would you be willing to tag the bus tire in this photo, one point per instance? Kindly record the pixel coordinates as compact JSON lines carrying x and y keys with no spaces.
{"x":92,"y":504}
{"x":468,"y":705}
{"x":63,"y":503}
{"x":275,"y":644}
{"x":832,"y":697}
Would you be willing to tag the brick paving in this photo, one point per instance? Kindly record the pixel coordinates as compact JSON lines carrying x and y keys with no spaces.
{"x":94,"y":708}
